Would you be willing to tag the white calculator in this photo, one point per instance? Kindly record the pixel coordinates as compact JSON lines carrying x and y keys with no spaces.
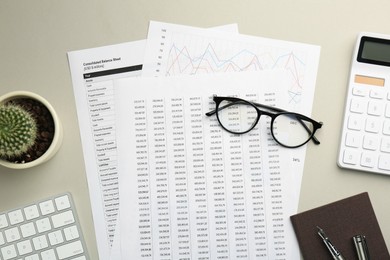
{"x":365,"y":139}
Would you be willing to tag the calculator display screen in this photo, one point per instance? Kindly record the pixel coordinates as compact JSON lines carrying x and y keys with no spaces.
{"x":374,"y":51}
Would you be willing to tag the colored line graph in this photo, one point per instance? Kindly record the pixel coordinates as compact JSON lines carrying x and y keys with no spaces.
{"x":180,"y":60}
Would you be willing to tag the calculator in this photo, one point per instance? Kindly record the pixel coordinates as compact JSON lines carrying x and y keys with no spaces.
{"x":365,"y":138}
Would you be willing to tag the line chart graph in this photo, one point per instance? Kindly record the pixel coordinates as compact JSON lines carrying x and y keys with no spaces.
{"x":174,"y":52}
{"x":182,"y":61}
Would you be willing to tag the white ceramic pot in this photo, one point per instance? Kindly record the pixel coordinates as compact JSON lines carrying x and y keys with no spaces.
{"x":57,"y":139}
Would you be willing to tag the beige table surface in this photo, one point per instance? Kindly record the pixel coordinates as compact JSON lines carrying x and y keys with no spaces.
{"x":36,"y":35}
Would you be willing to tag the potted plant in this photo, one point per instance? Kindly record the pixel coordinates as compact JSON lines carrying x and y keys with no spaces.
{"x":30,"y":130}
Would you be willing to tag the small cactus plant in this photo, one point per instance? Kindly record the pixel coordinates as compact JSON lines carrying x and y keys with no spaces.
{"x":18,"y":130}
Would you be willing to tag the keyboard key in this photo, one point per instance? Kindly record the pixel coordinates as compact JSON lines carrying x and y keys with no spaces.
{"x":3,"y":221}
{"x":2,"y":241}
{"x":31,"y":212}
{"x":62,"y":219}
{"x":12,"y":234}
{"x":28,"y":230}
{"x":15,"y":217}
{"x":56,"y":238}
{"x":80,"y":258}
{"x":24,"y":247}
{"x":43,"y":225}
{"x":40,"y":242}
{"x":8,"y":252}
{"x":46,"y":207}
{"x":71,"y":233}
{"x":62,"y":202}
{"x":48,"y":255}
{"x":71,"y":249}
{"x":32,"y":257}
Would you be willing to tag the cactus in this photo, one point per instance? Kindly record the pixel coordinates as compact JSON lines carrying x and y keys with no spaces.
{"x":18,"y":131}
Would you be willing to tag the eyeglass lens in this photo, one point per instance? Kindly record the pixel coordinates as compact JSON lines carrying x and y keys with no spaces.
{"x":287,"y":128}
{"x":290,"y":130}
{"x":237,"y":117}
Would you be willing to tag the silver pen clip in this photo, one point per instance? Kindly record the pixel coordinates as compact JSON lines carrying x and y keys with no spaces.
{"x":332,"y":249}
{"x":361,"y":247}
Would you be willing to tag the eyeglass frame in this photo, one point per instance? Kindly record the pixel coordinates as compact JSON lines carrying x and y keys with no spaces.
{"x":279,"y":111}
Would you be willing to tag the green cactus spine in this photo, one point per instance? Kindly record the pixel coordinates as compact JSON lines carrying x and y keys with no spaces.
{"x":18,"y":131}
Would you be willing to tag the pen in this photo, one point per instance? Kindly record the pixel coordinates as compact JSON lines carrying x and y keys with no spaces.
{"x":361,"y":247}
{"x":332,"y":249}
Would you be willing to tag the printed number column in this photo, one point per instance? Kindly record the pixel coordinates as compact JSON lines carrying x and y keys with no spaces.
{"x":198,"y":181}
{"x":144,"y":210}
{"x":178,"y":176}
{"x":160,"y":179}
{"x":219,"y":232}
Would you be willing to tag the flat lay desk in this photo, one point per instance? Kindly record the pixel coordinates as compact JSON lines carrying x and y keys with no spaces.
{"x":36,"y":35}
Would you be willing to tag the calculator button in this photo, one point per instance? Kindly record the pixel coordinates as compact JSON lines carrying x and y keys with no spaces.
{"x":385,"y":145}
{"x":353,"y":140}
{"x":351,"y":157}
{"x":370,"y":142}
{"x":372,"y":125}
{"x":368,"y":160}
{"x":375,"y":108}
{"x":377,"y":94}
{"x":355,"y":122}
{"x":387,"y":111}
{"x":384,"y":162}
{"x":358,"y":91}
{"x":358,"y":106}
{"x":386,"y":127}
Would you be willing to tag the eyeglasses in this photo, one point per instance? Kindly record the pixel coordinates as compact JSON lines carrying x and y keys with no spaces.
{"x":289,"y":129}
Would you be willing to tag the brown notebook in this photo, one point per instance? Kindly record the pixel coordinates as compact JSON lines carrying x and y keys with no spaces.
{"x":341,"y":220}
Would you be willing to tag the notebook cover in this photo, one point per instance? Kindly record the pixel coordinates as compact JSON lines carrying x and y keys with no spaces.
{"x":340,"y":220}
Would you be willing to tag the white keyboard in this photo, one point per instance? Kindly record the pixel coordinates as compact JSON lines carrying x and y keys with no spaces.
{"x":365,"y":143}
{"x":44,"y":230}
